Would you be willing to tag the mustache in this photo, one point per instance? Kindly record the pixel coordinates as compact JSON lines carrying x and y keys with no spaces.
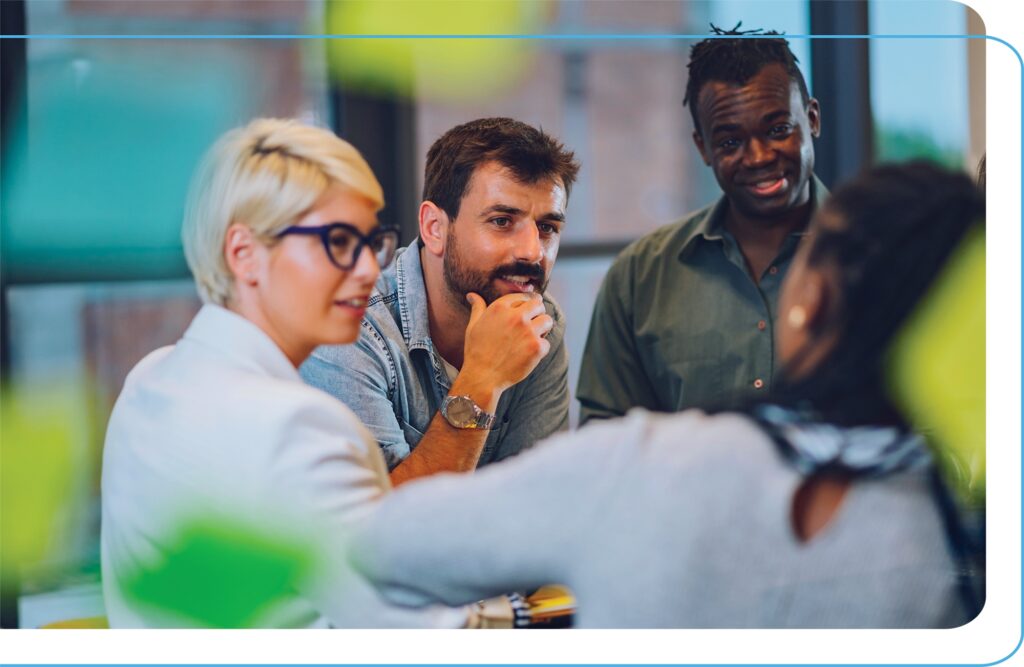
{"x":531,"y":271}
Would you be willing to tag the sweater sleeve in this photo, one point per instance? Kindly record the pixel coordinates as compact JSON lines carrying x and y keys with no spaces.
{"x":515,"y":525}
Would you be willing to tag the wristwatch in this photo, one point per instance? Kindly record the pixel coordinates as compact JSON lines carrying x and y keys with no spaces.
{"x":462,"y":412}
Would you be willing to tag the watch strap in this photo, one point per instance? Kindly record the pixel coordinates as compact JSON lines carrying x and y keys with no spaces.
{"x":484,"y":420}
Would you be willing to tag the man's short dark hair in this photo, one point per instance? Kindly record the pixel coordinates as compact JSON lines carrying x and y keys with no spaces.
{"x":736,"y":61}
{"x":530,"y":154}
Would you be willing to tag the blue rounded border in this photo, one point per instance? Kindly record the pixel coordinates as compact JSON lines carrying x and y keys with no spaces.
{"x":621,"y":37}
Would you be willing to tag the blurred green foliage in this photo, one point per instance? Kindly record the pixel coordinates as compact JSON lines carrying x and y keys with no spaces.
{"x":896,"y":144}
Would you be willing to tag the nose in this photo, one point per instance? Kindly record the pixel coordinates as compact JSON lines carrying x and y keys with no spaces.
{"x":366,"y":268}
{"x":528,"y":245}
{"x":758,"y":153}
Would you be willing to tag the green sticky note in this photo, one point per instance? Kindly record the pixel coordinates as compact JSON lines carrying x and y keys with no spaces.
{"x":223,"y":575}
{"x":937,"y":368}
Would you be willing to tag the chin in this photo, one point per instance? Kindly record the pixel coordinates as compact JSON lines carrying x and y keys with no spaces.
{"x":769,"y":209}
{"x":341,"y":335}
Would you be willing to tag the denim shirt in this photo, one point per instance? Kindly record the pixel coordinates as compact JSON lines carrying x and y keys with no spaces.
{"x":679,"y":322}
{"x":394,"y":379}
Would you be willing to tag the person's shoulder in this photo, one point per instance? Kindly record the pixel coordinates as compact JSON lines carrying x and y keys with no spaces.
{"x":280,"y":407}
{"x":688,"y":430}
{"x":655,"y":251}
{"x":149,"y":364}
{"x":730,"y":441}
{"x":666,"y":239}
{"x":555,"y":311}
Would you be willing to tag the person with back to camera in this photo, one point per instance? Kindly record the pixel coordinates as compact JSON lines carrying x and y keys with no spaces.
{"x":282,"y":238}
{"x":820,"y":510}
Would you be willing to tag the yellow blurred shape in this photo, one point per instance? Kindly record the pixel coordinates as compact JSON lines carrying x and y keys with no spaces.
{"x":433,"y":68}
{"x":36,"y":471}
{"x":937,"y":368}
{"x":551,"y":601}
{"x":91,"y":623}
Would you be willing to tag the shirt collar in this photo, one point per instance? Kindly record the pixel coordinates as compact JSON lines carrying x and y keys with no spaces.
{"x":412,"y":297}
{"x":234,"y":336}
{"x":709,"y":227}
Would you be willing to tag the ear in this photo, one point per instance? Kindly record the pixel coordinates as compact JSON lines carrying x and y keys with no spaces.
{"x":814,"y":117}
{"x":699,"y":142}
{"x":433,"y":228}
{"x":241,"y":254}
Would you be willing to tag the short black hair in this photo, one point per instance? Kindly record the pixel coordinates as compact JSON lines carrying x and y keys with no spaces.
{"x":529,"y":153}
{"x":734,"y":57}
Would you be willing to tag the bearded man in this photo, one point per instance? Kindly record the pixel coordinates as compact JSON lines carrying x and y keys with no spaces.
{"x":461,"y":360}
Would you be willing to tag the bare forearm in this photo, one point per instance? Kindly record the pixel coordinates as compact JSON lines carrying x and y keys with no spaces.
{"x":445,"y":448}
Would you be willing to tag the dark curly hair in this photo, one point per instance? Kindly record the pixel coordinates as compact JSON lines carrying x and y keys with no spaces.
{"x":735,"y":56}
{"x":901,"y":224}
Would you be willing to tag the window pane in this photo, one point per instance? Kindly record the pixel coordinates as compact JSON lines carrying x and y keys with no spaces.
{"x":915,"y":115}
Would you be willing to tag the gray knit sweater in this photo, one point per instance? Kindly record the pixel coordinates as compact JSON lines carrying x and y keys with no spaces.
{"x":666,"y":521}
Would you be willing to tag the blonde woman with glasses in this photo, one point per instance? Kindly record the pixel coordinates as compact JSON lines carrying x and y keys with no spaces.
{"x":281,"y":235}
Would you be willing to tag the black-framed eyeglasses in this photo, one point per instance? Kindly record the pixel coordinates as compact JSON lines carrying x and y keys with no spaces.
{"x":344,"y":242}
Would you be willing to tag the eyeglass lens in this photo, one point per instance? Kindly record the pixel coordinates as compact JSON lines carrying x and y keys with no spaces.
{"x":343,"y":243}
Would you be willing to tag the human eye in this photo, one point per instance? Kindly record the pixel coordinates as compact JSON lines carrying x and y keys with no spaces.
{"x":379,"y":239}
{"x":728,"y":144}
{"x":548,"y":228}
{"x":340,"y":238}
{"x":501,"y":221}
{"x":780,"y":130}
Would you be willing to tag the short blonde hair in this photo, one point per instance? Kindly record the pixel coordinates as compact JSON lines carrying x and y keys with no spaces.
{"x":266,"y":176}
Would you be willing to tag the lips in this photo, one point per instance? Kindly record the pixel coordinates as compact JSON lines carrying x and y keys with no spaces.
{"x":354,"y":302}
{"x":519,"y":283}
{"x":768,"y":187}
{"x":355,"y":306}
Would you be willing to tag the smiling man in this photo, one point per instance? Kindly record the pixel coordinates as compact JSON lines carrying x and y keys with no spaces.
{"x":685,"y":315}
{"x":461,"y":360}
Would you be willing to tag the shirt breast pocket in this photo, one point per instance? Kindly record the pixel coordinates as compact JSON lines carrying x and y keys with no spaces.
{"x":692,"y":364}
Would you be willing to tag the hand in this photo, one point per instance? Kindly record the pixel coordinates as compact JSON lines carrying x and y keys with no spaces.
{"x":505,"y":340}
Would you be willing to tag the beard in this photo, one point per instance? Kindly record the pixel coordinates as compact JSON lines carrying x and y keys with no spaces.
{"x":462,"y":279}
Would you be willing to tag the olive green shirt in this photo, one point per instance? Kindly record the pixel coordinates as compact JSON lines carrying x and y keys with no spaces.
{"x":679,"y":322}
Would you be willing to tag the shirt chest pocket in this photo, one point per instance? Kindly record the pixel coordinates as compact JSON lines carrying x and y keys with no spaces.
{"x":686,"y":369}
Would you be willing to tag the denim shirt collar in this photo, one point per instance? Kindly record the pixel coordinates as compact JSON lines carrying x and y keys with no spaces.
{"x":411,"y":292}
{"x":710,"y":225}
{"x":414,"y":317}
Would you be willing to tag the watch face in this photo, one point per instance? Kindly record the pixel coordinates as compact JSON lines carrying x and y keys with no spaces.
{"x":460,"y":412}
